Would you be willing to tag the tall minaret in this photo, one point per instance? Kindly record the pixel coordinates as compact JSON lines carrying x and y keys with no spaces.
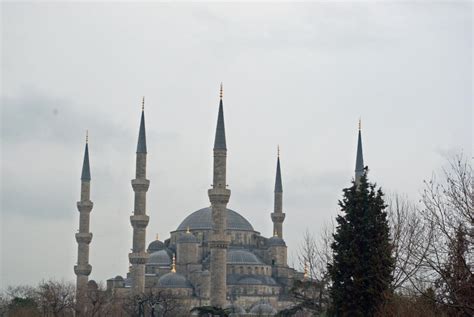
{"x":83,"y":237}
{"x":278,"y":216}
{"x":219,"y":197}
{"x":139,"y":220}
{"x":359,"y":168}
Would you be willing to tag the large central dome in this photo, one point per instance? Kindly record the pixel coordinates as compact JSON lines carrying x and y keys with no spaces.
{"x":202,"y":220}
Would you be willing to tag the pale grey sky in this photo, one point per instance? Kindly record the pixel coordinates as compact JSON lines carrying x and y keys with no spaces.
{"x":298,"y":75}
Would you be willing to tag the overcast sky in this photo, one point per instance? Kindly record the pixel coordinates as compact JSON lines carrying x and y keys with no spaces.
{"x":298,"y":75}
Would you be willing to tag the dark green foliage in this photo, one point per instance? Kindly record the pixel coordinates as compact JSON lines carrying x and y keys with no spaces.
{"x":23,"y":303}
{"x":362,"y":267}
{"x":211,"y":311}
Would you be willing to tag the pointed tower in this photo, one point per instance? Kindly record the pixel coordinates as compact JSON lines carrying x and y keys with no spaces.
{"x":139,"y":219}
{"x":219,"y":197}
{"x":278,"y":216}
{"x":83,"y":237}
{"x":359,"y":168}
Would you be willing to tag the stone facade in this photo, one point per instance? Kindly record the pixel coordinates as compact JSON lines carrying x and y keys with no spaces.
{"x":215,"y":256}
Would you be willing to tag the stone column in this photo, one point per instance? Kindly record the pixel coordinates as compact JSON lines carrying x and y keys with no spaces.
{"x":83,"y":237}
{"x":139,"y":219}
{"x":219,"y":197}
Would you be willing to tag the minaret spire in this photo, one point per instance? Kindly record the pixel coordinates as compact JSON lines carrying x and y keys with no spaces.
{"x":219,"y":197}
{"x":139,"y":219}
{"x":141,"y":145}
{"x":86,"y":173}
{"x":219,"y":141}
{"x":83,"y":237}
{"x":278,"y":216}
{"x":359,"y":168}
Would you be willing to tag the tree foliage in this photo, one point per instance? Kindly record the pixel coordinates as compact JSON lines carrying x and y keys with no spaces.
{"x":204,"y":311}
{"x":362,"y":266}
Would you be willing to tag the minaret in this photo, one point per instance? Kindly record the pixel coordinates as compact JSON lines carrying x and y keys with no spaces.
{"x":359,"y":168}
{"x":139,"y":219}
{"x":219,"y":197}
{"x":278,"y":216}
{"x":83,"y":237}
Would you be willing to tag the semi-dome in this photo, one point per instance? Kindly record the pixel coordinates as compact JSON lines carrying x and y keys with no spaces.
{"x":263,"y":309}
{"x":156,"y":245}
{"x":242,"y":257}
{"x":161,"y":258}
{"x":235,"y":309}
{"x":188,"y":237}
{"x":173,"y":280}
{"x":249,"y":281}
{"x":202,"y":220}
{"x":276,"y":241}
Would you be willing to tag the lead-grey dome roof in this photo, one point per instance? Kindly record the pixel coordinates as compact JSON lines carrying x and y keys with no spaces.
{"x":274,"y":241}
{"x":159,"y":258}
{"x":156,"y":245}
{"x":242,"y":257}
{"x":235,"y":309}
{"x":263,"y":309}
{"x":249,"y":281}
{"x":202,"y":220}
{"x":173,"y":280}
{"x":188,"y":237}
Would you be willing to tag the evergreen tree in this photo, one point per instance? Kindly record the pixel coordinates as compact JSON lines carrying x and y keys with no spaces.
{"x":362,"y":267}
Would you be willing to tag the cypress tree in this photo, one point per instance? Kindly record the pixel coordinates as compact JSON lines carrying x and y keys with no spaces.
{"x":362,"y":265}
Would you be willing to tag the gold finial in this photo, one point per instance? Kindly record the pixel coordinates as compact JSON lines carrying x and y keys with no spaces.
{"x":157,"y":236}
{"x":87,"y":136}
{"x":187,"y":230}
{"x":305,"y":270}
{"x":278,"y":150}
{"x":173,"y":265}
{"x":360,"y":124}
{"x":222,"y":91}
{"x":143,"y":103}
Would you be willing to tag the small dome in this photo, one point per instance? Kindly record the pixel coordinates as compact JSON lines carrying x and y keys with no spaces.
{"x":118,"y":278}
{"x":276,"y":241}
{"x":242,"y":257}
{"x":156,"y":245}
{"x":188,"y":237}
{"x":161,"y":258}
{"x":235,"y":309}
{"x":249,"y":281}
{"x":263,"y":309}
{"x":92,"y":285}
{"x":173,"y":280}
{"x":202,"y":220}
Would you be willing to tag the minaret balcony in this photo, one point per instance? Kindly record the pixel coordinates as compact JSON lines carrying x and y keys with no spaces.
{"x":139,"y":221}
{"x":138,"y":257}
{"x":278,"y":217}
{"x":140,"y":184}
{"x":218,"y":242}
{"x":83,"y":269}
{"x":85,"y":206}
{"x":84,"y":237}
{"x":219,"y":195}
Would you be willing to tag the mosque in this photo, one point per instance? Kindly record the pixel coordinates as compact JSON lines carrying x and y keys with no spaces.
{"x":214,"y":257}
